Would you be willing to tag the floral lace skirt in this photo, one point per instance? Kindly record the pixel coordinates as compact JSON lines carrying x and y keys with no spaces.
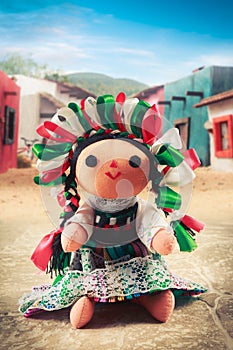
{"x":121,"y":279}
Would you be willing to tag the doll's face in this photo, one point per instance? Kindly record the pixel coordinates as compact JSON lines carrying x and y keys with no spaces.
{"x":112,"y":169}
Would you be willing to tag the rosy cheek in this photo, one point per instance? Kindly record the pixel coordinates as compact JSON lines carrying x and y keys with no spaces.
{"x":139,"y":180}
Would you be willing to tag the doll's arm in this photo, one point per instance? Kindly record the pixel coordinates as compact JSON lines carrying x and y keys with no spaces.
{"x":153,"y":229}
{"x":73,"y":237}
{"x":163,"y":242}
{"x":78,"y":229}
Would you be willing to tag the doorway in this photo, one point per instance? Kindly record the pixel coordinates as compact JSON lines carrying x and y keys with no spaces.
{"x":182,"y":125}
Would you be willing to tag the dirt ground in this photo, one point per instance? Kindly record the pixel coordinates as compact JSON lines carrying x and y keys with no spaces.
{"x":204,"y":324}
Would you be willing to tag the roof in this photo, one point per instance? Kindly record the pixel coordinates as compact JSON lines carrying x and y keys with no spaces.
{"x":215,"y":98}
{"x":53,"y":100}
{"x":74,"y":90}
{"x":147,"y":92}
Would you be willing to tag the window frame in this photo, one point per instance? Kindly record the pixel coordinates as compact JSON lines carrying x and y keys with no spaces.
{"x":218,"y":149}
{"x":9,"y":127}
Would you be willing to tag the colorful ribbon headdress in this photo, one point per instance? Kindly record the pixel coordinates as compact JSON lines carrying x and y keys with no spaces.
{"x":129,"y":118}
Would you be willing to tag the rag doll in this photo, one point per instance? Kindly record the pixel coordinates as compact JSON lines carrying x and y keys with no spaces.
{"x":117,"y":166}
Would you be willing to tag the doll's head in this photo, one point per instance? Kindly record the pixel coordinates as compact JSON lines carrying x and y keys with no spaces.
{"x":110,"y":147}
{"x":111,"y":166}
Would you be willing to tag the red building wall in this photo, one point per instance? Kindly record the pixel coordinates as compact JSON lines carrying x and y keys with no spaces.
{"x":9,"y":122}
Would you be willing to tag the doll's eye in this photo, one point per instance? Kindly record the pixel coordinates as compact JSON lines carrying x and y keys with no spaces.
{"x":134,"y":161}
{"x":91,"y":161}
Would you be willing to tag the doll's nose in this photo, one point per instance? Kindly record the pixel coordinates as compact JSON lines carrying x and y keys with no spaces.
{"x":113,"y":164}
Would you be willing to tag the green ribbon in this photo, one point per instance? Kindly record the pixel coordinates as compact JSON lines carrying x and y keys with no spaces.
{"x":105,"y":108}
{"x":100,"y":131}
{"x":48,"y":152}
{"x":137,"y":116}
{"x":57,"y":279}
{"x":168,"y":155}
{"x":123,"y":134}
{"x":185,"y":241}
{"x":167,"y":198}
{"x":60,"y":180}
{"x":77,"y":110}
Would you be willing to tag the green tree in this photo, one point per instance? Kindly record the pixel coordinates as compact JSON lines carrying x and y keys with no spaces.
{"x":17,"y":64}
{"x":56,"y":76}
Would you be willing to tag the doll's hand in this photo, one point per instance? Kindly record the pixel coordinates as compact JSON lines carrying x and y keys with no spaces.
{"x":163,"y":242}
{"x":73,"y":237}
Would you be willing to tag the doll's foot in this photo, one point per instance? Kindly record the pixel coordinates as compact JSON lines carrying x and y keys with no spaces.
{"x":82,"y":312}
{"x":160,"y":306}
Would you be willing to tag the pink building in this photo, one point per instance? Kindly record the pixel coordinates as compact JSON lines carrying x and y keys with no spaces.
{"x":9,"y":122}
{"x":153,"y":95}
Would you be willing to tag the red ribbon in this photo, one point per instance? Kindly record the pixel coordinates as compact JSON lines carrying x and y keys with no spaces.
{"x":151,"y":125}
{"x":120,"y":99}
{"x":43,"y":251}
{"x":64,"y":135}
{"x":191,"y":158}
{"x":61,"y":198}
{"x":192,"y":223}
{"x":52,"y":174}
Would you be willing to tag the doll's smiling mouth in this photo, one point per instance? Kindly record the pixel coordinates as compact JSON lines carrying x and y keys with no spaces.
{"x":113,"y":177}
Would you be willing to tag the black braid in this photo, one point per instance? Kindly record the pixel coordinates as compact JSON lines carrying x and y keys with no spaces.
{"x":59,"y":259}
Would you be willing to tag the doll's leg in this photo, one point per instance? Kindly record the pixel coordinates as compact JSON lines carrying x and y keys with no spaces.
{"x":160,"y":306}
{"x":82,"y":312}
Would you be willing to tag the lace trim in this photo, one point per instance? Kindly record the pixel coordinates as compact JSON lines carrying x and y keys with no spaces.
{"x":118,"y":279}
{"x":108,"y":205}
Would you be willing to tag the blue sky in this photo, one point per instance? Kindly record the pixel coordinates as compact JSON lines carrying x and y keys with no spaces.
{"x":146,"y":40}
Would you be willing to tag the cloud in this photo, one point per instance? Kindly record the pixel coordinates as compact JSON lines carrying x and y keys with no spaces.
{"x":217,"y":59}
{"x":136,"y":52}
{"x":60,"y":55}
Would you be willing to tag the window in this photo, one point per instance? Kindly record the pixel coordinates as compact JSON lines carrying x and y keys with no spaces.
{"x":9,"y":129}
{"x":223,"y":136}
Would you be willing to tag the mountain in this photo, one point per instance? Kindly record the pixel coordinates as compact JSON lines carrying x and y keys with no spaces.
{"x":100,"y":84}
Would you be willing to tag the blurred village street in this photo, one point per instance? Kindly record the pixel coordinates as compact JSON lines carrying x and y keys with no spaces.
{"x":202,"y":324}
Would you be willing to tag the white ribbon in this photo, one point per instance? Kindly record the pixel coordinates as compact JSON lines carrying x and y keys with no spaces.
{"x":91,"y":110}
{"x":171,"y":136}
{"x":43,"y":165}
{"x":71,"y":122}
{"x":178,"y":176}
{"x":128,"y":108}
